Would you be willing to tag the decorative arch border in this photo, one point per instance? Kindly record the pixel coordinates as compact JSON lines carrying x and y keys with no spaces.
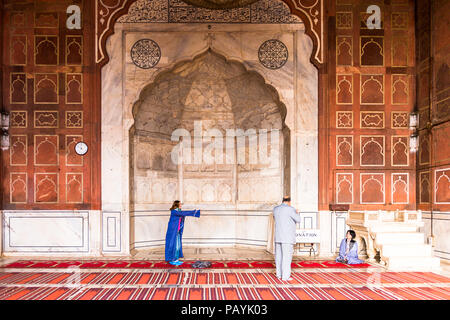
{"x":311,"y":12}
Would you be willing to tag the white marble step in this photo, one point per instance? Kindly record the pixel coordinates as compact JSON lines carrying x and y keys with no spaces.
{"x":406,"y":250}
{"x":383,"y":238}
{"x":394,"y":227}
{"x":413,"y":263}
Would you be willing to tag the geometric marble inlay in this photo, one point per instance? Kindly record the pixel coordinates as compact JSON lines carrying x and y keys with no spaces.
{"x":145,"y":53}
{"x":344,"y":119}
{"x":74,"y":119}
{"x":46,"y":119}
{"x":18,"y":119}
{"x":372,"y":120}
{"x":400,"y":120}
{"x":273,"y":54}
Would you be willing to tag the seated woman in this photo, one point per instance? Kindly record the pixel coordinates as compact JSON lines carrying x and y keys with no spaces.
{"x":174,"y":249}
{"x":348,"y":251}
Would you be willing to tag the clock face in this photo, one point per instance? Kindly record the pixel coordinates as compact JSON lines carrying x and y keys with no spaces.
{"x":81,"y":148}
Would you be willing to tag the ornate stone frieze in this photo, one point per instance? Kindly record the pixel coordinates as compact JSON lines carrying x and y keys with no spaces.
{"x":175,"y":11}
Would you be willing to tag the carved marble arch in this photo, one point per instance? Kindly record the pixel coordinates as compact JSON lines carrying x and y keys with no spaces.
{"x":222,"y":95}
{"x":311,"y":12}
{"x":236,"y":66}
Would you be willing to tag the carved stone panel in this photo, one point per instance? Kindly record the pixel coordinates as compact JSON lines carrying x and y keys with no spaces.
{"x":344,"y":188}
{"x":46,"y":119}
{"x":424,"y":187}
{"x":372,"y":51}
{"x":74,"y":187}
{"x":372,"y":150}
{"x":46,"y":187}
{"x":372,"y":120}
{"x":344,"y":119}
{"x":18,"y":92}
{"x":46,"y":50}
{"x":372,"y":189}
{"x":18,"y":150}
{"x":344,"y":151}
{"x":344,"y":89}
{"x":442,"y":186}
{"x":74,"y":88}
{"x":18,"y":50}
{"x":400,"y":188}
{"x":74,"y":50}
{"x":46,"y":88}
{"x":46,"y":150}
{"x":18,"y":192}
{"x":344,"y":50}
{"x":400,"y":150}
{"x":372,"y":89}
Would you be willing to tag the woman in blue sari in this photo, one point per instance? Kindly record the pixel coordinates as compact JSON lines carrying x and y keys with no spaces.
{"x":174,"y":249}
{"x":348,"y":251}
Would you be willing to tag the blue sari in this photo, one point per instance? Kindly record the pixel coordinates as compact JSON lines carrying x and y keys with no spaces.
{"x":174,"y":246}
{"x":352,"y":256}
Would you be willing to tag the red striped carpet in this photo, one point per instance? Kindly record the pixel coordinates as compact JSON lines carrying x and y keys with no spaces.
{"x":249,"y":284}
{"x":329,"y":293}
{"x":96,"y":264}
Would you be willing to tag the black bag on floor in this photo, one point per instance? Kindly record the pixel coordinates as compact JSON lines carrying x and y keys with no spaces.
{"x":201,"y":264}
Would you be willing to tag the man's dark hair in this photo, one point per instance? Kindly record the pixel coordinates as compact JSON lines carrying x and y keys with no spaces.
{"x":286,"y":199}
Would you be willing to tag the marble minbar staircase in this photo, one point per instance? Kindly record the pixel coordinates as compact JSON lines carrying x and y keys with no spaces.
{"x":394,"y":236}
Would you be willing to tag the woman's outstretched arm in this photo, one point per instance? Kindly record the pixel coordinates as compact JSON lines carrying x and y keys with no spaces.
{"x":186,"y":213}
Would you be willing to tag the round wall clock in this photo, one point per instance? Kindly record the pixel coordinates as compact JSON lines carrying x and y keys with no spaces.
{"x":81,"y":148}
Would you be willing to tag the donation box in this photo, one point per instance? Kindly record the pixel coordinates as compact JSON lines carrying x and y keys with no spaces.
{"x":308,"y":235}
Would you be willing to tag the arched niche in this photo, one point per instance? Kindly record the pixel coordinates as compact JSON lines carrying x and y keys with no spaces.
{"x":209,"y":95}
{"x":292,"y":88}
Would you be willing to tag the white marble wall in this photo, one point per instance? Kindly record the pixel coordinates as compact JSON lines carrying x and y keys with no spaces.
{"x":441,"y":232}
{"x":212,"y":228}
{"x":63,"y":233}
{"x":122,"y":82}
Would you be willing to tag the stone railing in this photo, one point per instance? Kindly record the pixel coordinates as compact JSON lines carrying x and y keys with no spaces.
{"x":366,"y":222}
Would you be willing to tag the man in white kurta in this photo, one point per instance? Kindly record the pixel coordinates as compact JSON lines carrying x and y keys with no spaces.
{"x":286,"y":218}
